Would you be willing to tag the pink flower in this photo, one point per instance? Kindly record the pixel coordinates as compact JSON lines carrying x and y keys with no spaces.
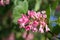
{"x":42,"y":23}
{"x":7,"y":1}
{"x":25,"y":18}
{"x":24,"y":34}
{"x":11,"y":37}
{"x":44,"y":16}
{"x":2,"y":2}
{"x":41,"y":29}
{"x":31,"y":14}
{"x":30,"y":37}
{"x":43,"y":12}
{"x":47,"y":29}
{"x":28,"y":27}
{"x":23,"y":21}
{"x":35,"y":23}
{"x":38,"y":15}
{"x":34,"y":30}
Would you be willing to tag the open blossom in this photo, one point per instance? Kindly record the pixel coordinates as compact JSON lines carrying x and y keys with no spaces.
{"x":34,"y":29}
{"x":31,"y":14}
{"x":23,"y":21}
{"x":44,"y":16}
{"x":33,"y":20}
{"x":28,"y":27}
{"x":4,"y":2}
{"x":38,"y":15}
{"x":35,"y":23}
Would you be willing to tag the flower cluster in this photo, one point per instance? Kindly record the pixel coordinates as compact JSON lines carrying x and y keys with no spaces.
{"x":4,"y":2}
{"x":34,"y":21}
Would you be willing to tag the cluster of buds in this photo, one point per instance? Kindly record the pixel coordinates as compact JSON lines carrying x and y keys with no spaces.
{"x":34,"y":21}
{"x":4,"y":2}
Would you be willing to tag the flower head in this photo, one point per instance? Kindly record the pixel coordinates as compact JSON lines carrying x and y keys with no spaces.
{"x":33,"y":20}
{"x":31,"y":14}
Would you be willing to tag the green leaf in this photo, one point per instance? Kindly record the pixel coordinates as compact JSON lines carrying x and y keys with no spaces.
{"x":37,"y":5}
{"x":22,"y":7}
{"x":56,"y":29}
{"x":48,"y":12}
{"x":53,"y":6}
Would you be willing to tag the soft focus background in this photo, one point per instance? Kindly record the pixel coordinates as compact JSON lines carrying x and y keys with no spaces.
{"x":9,"y":14}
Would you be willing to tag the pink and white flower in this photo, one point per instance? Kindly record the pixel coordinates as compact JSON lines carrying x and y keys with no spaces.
{"x":7,"y":1}
{"x":31,"y":14}
{"x":34,"y":29}
{"x":42,"y":23}
{"x":41,"y":29}
{"x":47,"y":29}
{"x":44,"y":16}
{"x":28,"y":27}
{"x":35,"y":23}
{"x":38,"y":15}
{"x":2,"y":2}
{"x":33,"y":20}
{"x":23,"y":21}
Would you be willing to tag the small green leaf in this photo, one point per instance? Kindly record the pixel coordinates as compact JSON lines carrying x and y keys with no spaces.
{"x":21,"y":7}
{"x":37,"y":5}
{"x":53,"y":6}
{"x":48,"y":11}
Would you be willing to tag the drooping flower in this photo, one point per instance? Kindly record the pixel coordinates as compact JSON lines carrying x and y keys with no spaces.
{"x":41,"y":29}
{"x":47,"y":29}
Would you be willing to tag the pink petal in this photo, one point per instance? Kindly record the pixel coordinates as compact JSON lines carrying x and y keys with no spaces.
{"x":38,"y":15}
{"x":43,"y":12}
{"x":31,"y":13}
{"x":34,"y":30}
{"x":11,"y":37}
{"x":42,"y":23}
{"x":47,"y":29}
{"x":41,"y":29}
{"x":7,"y":1}
{"x":24,"y":34}
{"x":28,"y":27}
{"x":35,"y":23}
{"x":30,"y":36}
{"x":2,"y":2}
{"x":44,"y":16}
